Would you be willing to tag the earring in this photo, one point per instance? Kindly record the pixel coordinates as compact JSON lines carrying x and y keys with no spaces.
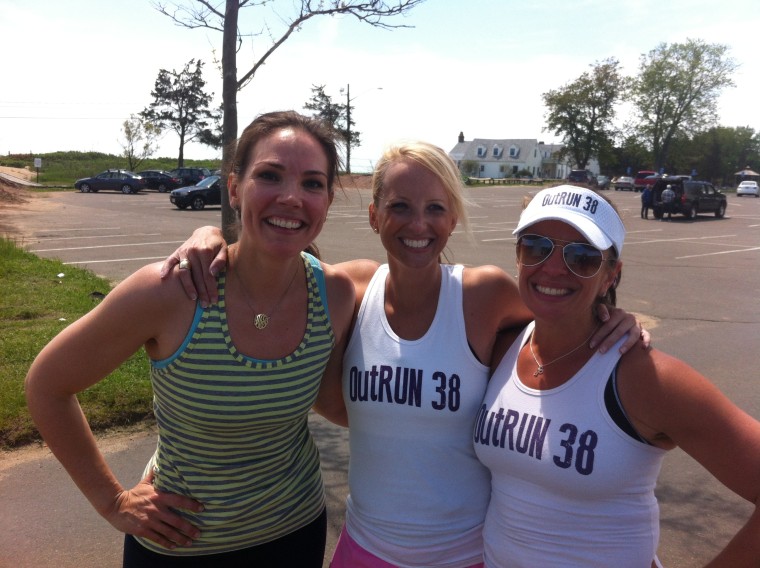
{"x":375,"y":229}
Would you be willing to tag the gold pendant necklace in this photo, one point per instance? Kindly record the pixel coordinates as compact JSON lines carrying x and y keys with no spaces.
{"x":540,"y":370}
{"x":261,"y":320}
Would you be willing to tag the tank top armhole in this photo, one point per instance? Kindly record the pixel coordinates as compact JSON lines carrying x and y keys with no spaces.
{"x":472,"y":350}
{"x":615,"y":408}
{"x":163,"y":363}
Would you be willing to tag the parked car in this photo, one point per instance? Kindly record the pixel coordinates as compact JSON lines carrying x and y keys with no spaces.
{"x":120,"y":180}
{"x":638,"y":180}
{"x":190,"y":176}
{"x":748,"y":187}
{"x":603,"y":182}
{"x":692,"y":197}
{"x":582,"y":176}
{"x":624,"y":183}
{"x":206,"y":192}
{"x":161,"y":180}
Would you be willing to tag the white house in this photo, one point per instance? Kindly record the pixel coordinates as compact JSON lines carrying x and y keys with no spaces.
{"x":506,"y":157}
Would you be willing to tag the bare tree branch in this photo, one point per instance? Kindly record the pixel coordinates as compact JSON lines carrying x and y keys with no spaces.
{"x":222,"y":16}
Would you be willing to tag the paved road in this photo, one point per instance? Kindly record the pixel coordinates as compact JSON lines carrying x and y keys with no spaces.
{"x":696,"y":284}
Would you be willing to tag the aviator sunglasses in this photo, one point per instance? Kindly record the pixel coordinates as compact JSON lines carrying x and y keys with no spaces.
{"x":582,"y":259}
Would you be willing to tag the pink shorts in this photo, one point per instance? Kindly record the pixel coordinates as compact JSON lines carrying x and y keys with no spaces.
{"x":348,"y":554}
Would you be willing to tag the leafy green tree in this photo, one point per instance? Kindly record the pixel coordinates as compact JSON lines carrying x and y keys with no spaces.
{"x":583,"y":111}
{"x":181,"y":104}
{"x":337,"y":115}
{"x":140,"y":140}
{"x":676,"y":92}
{"x":631,"y":156}
{"x":469,"y":167}
{"x":322,"y":107}
{"x":721,"y":151}
{"x":282,"y":23}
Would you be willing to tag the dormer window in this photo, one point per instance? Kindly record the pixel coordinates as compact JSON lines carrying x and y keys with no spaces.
{"x":481,"y":151}
{"x":514,"y":151}
{"x":497,"y":151}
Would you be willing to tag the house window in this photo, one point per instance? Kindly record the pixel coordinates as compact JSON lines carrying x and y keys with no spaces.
{"x":481,"y":151}
{"x":482,"y":168}
{"x":497,"y":150}
{"x":514,"y":151}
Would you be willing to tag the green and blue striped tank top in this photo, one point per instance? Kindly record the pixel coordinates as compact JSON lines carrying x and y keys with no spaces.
{"x":233,"y":430}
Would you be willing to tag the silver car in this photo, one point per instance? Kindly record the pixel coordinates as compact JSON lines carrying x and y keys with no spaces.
{"x":623,"y":182}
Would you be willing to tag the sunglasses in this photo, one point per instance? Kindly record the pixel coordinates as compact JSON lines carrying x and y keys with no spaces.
{"x":582,"y":259}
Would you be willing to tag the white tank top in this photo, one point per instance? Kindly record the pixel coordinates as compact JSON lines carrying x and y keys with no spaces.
{"x":418,"y":494}
{"x":569,"y":487}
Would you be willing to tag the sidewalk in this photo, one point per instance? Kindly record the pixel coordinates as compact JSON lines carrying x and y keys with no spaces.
{"x":46,"y":522}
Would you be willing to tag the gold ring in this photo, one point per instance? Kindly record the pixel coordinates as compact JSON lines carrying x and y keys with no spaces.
{"x":184,"y":264}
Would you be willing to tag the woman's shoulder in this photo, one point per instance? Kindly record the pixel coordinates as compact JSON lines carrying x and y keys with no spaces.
{"x":488,"y":281}
{"x":336,"y":276}
{"x":486,"y":275}
{"x":651,"y":383}
{"x":158,"y":295}
{"x":147,"y":281}
{"x":360,"y":270}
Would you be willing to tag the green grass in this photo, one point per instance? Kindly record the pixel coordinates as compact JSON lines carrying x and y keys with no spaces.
{"x":36,"y":304}
{"x":62,"y":169}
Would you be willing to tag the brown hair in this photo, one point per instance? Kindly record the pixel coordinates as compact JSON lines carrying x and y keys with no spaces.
{"x":269,"y":123}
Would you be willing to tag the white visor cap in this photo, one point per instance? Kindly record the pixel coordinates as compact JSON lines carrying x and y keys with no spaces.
{"x":581,"y":208}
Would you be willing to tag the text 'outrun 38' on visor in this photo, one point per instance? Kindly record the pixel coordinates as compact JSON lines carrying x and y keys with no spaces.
{"x":582,"y":259}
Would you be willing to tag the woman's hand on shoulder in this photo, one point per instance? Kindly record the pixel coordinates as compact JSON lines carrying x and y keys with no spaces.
{"x":616,"y":322}
{"x":205,"y":254}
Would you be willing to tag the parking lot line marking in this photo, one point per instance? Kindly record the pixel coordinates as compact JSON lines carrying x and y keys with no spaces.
{"x":89,"y":229}
{"x":665,"y":240}
{"x":52,"y":238}
{"x":109,"y":246}
{"x":114,"y":260}
{"x":720,"y":252}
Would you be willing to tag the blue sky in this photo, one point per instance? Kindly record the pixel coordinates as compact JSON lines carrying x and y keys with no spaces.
{"x":73,"y":71}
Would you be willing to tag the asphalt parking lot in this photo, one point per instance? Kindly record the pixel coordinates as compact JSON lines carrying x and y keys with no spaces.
{"x":695,"y":284}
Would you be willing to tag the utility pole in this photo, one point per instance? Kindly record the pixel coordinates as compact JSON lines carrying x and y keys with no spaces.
{"x":348,"y":128}
{"x":349,"y":137}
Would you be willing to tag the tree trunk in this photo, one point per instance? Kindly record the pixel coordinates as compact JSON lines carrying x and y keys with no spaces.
{"x":230,"y":122}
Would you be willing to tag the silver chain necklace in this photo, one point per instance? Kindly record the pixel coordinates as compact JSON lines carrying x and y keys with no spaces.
{"x":540,"y":370}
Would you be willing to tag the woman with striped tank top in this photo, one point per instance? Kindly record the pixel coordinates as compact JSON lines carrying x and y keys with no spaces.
{"x":235,"y":478}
